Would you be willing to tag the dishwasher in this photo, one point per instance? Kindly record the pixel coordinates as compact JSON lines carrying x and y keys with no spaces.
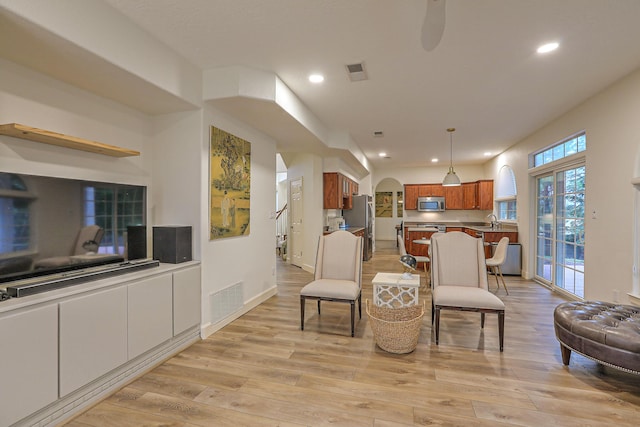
{"x":513,"y":263}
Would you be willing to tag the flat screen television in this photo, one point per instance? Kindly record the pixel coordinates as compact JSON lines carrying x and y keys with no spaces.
{"x":42,"y":221}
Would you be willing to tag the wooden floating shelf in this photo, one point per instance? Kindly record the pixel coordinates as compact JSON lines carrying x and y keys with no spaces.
{"x":47,"y":137}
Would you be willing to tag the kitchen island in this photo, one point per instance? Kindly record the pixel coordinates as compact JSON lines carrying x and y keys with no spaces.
{"x":415,"y":230}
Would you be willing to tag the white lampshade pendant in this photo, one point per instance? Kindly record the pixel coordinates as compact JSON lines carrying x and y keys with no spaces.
{"x":451,"y":179}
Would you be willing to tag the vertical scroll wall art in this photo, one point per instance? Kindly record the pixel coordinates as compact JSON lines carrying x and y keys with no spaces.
{"x":229,"y":185}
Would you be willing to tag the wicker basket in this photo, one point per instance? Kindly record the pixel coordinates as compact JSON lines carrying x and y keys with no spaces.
{"x":396,"y":330}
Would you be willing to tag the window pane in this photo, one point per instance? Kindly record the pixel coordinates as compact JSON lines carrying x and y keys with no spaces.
{"x":571,"y":146}
{"x":582,"y":142}
{"x":538,"y":160}
{"x":558,"y":152}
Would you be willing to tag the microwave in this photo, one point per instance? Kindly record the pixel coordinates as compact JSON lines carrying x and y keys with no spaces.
{"x":430,"y":204}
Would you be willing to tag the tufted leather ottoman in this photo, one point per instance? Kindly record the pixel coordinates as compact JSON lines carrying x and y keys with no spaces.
{"x":605,"y":332}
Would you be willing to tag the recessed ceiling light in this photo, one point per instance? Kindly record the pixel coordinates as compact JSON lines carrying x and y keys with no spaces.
{"x":487,"y":154}
{"x":549,"y":47}
{"x":434,"y":160}
{"x":382,"y":154}
{"x":316,"y":78}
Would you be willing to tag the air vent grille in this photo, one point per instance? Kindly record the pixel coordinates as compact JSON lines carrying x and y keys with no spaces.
{"x":357,"y":72}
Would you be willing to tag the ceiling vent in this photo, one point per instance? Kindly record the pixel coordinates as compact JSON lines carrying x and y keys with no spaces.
{"x":378,"y":134}
{"x":357,"y":72}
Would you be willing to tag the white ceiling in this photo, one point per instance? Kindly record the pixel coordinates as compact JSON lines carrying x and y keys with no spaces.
{"x":485,"y":78}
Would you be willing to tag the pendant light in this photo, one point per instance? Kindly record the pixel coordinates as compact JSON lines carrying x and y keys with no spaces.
{"x":451,"y":179}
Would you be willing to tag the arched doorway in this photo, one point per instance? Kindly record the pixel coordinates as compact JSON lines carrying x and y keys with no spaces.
{"x":388,"y":202}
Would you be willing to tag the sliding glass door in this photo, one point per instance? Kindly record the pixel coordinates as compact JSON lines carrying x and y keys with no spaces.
{"x":560,"y":229}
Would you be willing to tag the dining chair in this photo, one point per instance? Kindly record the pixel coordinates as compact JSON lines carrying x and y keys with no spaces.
{"x":495,"y":262}
{"x":459,"y":280}
{"x":337,"y":275}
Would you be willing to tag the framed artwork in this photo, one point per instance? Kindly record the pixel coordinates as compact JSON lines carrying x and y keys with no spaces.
{"x":229,"y":185}
{"x":400,"y":204}
{"x":384,"y":204}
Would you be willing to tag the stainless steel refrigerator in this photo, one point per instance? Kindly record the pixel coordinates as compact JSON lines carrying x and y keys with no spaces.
{"x":361,"y":215}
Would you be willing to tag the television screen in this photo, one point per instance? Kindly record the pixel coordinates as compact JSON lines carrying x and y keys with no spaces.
{"x":52,"y":224}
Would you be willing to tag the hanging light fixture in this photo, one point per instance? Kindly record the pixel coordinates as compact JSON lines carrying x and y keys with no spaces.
{"x":451,"y":179}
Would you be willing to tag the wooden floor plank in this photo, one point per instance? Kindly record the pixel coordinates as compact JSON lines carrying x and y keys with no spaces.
{"x":261,"y":369}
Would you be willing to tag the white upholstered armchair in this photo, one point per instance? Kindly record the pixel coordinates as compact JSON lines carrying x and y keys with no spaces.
{"x":338,"y":274}
{"x":459,"y":279}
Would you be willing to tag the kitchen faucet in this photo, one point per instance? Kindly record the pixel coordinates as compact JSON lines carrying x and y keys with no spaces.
{"x":494,"y":220}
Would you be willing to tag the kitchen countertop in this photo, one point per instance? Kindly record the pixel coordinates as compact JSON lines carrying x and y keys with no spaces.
{"x":349,"y":229}
{"x":477,"y":226}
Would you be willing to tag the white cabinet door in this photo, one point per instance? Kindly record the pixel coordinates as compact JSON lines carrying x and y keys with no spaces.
{"x":150,"y":314}
{"x":93,"y":337}
{"x":186,"y":299}
{"x":29,"y":354}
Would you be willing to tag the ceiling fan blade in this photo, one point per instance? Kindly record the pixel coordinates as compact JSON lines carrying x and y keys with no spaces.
{"x":433,"y":26}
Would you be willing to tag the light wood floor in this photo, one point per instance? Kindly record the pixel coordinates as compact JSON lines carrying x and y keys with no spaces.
{"x":262,"y":370}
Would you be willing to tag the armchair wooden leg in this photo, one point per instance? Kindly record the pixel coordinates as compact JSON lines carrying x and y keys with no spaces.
{"x":302,"y":301}
{"x":353,"y":318}
{"x":501,"y":328}
{"x":482,"y":320}
{"x":360,"y":305}
{"x":318,"y":307}
{"x":437,"y":326}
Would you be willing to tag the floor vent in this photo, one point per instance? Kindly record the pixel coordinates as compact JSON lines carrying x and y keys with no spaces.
{"x":357,"y":72}
{"x":226,"y":302}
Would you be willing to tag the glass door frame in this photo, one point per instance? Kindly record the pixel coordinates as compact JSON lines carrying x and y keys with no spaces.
{"x":550,"y":170}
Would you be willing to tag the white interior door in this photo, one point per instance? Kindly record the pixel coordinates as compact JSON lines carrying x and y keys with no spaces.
{"x":296,"y":239}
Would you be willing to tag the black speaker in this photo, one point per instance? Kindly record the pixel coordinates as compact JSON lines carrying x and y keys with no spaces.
{"x":172,"y":243}
{"x":136,"y":242}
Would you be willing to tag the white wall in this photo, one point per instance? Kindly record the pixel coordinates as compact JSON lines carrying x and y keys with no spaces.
{"x":32,"y":99}
{"x":610,"y":120}
{"x":249,"y":259}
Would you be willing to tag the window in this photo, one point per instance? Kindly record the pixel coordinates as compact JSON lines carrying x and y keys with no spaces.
{"x":561,"y":150}
{"x":114,"y":207}
{"x":15,"y":200}
{"x":506,"y":195}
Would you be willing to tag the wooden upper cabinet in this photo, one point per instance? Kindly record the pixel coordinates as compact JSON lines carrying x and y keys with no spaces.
{"x":454,"y":197}
{"x":338,"y":191}
{"x":411,"y":196}
{"x":430,"y":190}
{"x":332,"y":190}
{"x":485,"y":195}
{"x":470,"y":195}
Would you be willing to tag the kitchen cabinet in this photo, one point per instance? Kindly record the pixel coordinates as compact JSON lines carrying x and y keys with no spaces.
{"x":485,"y":195}
{"x":415,"y":248}
{"x":431,"y":190}
{"x":454,"y":198}
{"x":93,"y":337}
{"x":338,"y":191}
{"x":413,"y":191}
{"x":495,"y":236}
{"x":411,"y":196}
{"x":450,"y":229}
{"x":468,"y":196}
{"x":29,"y":354}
